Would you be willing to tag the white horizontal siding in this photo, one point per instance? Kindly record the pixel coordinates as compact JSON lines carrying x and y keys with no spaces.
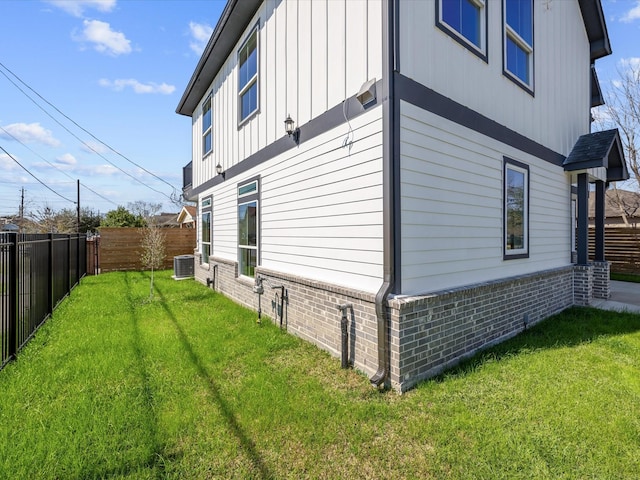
{"x":558,"y":112}
{"x":320,"y":208}
{"x":312,"y":55}
{"x":452,"y":206}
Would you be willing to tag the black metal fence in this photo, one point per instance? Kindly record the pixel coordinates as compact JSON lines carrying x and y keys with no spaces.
{"x":36,"y":272}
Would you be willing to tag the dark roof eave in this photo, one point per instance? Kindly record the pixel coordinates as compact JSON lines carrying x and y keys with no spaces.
{"x":596,"y":27}
{"x":232,"y":23}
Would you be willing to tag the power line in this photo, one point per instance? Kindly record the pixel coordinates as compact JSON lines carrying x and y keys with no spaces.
{"x":82,"y":141}
{"x":39,"y":181}
{"x":56,"y":167}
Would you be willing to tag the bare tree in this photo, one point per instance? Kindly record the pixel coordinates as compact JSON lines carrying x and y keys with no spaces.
{"x":622,"y":110}
{"x":153,"y":249}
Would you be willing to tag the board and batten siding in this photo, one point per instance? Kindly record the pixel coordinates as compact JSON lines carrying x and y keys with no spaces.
{"x":558,"y":112}
{"x":452,"y":207}
{"x":320,"y":208}
{"x":312,"y":55}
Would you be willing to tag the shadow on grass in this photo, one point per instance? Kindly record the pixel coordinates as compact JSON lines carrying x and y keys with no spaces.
{"x":225,"y":409}
{"x":573,"y":327}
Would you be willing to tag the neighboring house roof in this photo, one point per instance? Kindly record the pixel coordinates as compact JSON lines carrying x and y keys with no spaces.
{"x":187,"y":214}
{"x":599,"y":149}
{"x":166,"y":219}
{"x":630,"y":202}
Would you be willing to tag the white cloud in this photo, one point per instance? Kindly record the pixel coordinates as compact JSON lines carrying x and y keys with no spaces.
{"x":103,"y":170}
{"x":93,"y":147}
{"x":631,"y":63}
{"x":77,"y":7}
{"x":138,"y":87}
{"x":67,"y":160}
{"x":632,"y":14}
{"x":30,"y":133}
{"x":6,"y":163}
{"x":104,"y":39}
{"x":200,"y":33}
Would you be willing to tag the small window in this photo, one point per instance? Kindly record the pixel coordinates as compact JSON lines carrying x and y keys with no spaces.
{"x":465,"y":21}
{"x":248,"y":231}
{"x":207,"y":144}
{"x":516,"y":209}
{"x":518,"y":41}
{"x":248,"y":76}
{"x":205,"y":231}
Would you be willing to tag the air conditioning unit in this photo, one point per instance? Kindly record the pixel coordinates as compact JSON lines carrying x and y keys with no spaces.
{"x":183,"y":266}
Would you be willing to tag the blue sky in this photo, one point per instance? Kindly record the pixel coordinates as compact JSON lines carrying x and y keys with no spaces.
{"x":118,"y":69}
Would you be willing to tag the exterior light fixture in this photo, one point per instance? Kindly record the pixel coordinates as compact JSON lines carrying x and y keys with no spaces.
{"x":219,"y":170}
{"x":289,"y":127}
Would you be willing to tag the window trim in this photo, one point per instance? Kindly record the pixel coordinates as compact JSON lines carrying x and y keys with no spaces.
{"x":508,"y":32}
{"x":206,"y":208}
{"x":254,"y":80}
{"x":244,"y":199}
{"x":209,"y":131}
{"x":509,"y":163}
{"x":481,"y":51}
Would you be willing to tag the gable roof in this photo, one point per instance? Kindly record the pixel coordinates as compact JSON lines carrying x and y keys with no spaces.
{"x":599,"y":149}
{"x":233,"y":21}
{"x":187,"y":214}
{"x":238,"y":13}
{"x":593,"y":18}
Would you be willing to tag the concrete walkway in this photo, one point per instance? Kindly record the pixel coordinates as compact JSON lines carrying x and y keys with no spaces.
{"x":625,"y":297}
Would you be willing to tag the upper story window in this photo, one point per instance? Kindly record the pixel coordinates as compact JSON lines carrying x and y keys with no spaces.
{"x":466,"y":22}
{"x":518,"y":41}
{"x":248,"y":76}
{"x":516,"y":209}
{"x":207,"y":144}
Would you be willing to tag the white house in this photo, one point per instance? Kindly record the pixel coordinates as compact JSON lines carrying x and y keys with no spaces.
{"x":421,"y":164}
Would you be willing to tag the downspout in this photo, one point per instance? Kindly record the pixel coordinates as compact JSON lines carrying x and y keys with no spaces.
{"x":388,"y":201}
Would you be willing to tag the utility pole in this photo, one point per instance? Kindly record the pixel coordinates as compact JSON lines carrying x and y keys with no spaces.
{"x":78,"y":221}
{"x":22,"y":205}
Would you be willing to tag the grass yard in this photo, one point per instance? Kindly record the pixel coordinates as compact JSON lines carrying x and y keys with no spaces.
{"x":188,"y":386}
{"x":625,"y":277}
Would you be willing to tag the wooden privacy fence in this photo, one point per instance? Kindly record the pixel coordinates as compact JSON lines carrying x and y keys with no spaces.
{"x":120,"y":248}
{"x":621,"y":248}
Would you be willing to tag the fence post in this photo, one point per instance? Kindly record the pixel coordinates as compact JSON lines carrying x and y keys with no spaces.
{"x":68,"y":266}
{"x":77,"y":258}
{"x":13,"y":294}
{"x":50,"y":276}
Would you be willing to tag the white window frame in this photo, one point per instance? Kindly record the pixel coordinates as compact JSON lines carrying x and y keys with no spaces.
{"x":479,"y":50}
{"x":205,"y":209}
{"x":511,"y":34}
{"x":208,"y":131}
{"x":522,"y":168}
{"x":247,"y":196}
{"x":253,"y":81}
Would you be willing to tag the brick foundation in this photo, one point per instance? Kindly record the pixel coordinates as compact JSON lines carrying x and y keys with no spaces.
{"x":601,"y":280}
{"x":436,"y":331}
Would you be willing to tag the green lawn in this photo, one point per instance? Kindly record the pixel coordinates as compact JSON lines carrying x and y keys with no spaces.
{"x":188,"y":386}
{"x":625,"y":277}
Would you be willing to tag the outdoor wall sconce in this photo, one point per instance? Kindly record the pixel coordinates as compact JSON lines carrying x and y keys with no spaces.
{"x":289,"y":127}
{"x":219,"y":170}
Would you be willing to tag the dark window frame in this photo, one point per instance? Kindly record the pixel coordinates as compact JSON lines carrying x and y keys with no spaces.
{"x":207,"y":132}
{"x":206,"y":210}
{"x":482,"y":53}
{"x":254,"y":81}
{"x":528,"y":87}
{"x":516,"y":166}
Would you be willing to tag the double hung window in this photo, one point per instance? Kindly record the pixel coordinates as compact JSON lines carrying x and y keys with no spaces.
{"x":518,"y":41}
{"x":248,"y":76}
{"x":516,"y":209}
{"x":248,"y":232}
{"x":207,"y":144}
{"x":205,"y":230}
{"x":466,"y":22}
